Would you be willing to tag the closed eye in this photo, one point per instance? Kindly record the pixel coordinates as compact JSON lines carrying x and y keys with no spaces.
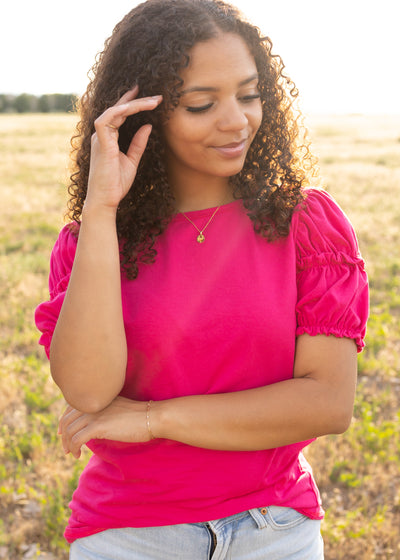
{"x":199,"y":109}
{"x":203,"y":108}
{"x":249,"y":98}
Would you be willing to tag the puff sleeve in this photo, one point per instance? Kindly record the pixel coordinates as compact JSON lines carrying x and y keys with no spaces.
{"x":61,"y":261}
{"x":332,"y":285}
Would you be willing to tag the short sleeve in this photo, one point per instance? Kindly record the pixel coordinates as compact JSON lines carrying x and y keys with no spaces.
{"x":61,"y":261}
{"x":332,"y":285}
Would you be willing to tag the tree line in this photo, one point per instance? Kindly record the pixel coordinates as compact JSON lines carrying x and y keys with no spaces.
{"x":47,"y":103}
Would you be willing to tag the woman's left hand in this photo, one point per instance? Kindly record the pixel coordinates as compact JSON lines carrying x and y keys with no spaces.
{"x":123,"y":420}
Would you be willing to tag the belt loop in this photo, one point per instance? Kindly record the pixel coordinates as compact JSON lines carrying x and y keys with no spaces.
{"x":259,"y":516}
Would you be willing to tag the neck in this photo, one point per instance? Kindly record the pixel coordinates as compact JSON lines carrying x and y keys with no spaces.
{"x":203,"y":196}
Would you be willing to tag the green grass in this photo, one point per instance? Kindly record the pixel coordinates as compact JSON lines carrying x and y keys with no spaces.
{"x":358,"y":473}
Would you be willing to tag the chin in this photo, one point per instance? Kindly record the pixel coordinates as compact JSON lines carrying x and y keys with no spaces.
{"x":234,"y":170}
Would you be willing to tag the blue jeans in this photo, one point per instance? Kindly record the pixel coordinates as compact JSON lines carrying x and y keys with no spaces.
{"x":273,"y":533}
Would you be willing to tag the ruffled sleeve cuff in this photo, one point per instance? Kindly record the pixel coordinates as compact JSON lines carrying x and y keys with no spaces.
{"x":61,"y":261}
{"x":332,"y":285}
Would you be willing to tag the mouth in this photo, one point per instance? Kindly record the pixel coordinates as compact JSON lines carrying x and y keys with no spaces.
{"x":232,"y":150}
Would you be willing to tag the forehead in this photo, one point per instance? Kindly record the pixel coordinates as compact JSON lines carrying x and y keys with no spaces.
{"x":225,"y":58}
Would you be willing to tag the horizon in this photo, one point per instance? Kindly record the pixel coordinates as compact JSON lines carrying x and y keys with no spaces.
{"x":341,"y":56}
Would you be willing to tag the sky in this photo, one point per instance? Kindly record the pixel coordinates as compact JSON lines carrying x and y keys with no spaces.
{"x":343,"y":55}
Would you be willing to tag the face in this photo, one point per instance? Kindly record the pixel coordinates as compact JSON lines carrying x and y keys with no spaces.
{"x":208,"y":135}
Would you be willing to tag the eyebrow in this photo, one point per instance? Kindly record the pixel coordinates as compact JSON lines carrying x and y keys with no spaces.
{"x":203,"y":88}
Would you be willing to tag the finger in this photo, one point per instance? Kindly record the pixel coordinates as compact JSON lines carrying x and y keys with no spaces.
{"x":70,"y":414}
{"x":65,"y":440}
{"x":70,"y":436}
{"x":138,"y":144}
{"x":69,"y":418}
{"x":115,"y":116}
{"x":63,"y":418}
{"x":128,"y":96}
{"x":80,"y":437}
{"x":134,"y":106}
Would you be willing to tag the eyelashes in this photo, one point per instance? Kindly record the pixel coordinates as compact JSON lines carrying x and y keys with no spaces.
{"x":248,"y":98}
{"x":199,"y":109}
{"x":204,"y":108}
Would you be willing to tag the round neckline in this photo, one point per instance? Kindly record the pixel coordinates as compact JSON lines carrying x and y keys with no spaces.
{"x":207,"y":211}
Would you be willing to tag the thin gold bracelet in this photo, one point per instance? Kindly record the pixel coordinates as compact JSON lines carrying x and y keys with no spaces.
{"x":149,"y":403}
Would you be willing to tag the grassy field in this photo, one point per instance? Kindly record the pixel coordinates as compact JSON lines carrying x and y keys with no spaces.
{"x":358,"y":474}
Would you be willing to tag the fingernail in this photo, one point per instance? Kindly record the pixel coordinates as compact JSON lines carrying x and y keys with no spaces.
{"x":155,"y":98}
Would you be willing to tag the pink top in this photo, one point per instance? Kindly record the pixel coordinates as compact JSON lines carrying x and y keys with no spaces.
{"x":212,"y":318}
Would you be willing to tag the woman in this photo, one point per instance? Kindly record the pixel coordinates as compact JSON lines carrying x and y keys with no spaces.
{"x":206,"y":308}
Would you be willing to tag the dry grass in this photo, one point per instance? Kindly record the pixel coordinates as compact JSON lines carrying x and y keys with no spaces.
{"x":359,"y":473}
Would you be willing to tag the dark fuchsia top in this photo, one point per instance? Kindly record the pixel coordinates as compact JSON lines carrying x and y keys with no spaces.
{"x":216,"y":317}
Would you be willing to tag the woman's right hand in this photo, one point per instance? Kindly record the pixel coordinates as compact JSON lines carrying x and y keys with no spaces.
{"x":112,"y":172}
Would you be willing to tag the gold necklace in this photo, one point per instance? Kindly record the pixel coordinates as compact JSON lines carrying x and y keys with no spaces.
{"x":200,"y":238}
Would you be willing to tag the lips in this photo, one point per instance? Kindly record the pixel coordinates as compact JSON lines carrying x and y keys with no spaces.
{"x":232,"y":150}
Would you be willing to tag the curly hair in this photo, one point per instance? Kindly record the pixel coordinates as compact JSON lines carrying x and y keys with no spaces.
{"x":150,"y":47}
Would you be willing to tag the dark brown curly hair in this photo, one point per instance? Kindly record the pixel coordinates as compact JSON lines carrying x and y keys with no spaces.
{"x":150,"y":47}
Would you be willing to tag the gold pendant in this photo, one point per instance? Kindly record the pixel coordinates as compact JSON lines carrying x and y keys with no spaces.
{"x":200,"y":238}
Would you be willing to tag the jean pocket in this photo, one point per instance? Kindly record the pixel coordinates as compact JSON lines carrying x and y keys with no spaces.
{"x":282,"y":518}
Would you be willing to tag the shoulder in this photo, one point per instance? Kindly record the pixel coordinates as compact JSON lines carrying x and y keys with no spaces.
{"x":332,"y":285}
{"x":66,"y":241}
{"x":63,"y":254}
{"x":320,"y":226}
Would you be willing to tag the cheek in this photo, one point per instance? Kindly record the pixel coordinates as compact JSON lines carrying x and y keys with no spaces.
{"x":186,"y":127}
{"x":255,"y":123}
{"x":258,"y":115}
{"x":176,"y":132}
{"x":186,"y":136}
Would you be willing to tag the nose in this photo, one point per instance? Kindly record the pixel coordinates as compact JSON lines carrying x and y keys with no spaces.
{"x":232,"y":116}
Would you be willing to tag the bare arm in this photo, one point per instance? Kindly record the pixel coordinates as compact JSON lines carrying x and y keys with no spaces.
{"x":88,"y":350}
{"x":317,"y":401}
{"x":89,"y":338}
